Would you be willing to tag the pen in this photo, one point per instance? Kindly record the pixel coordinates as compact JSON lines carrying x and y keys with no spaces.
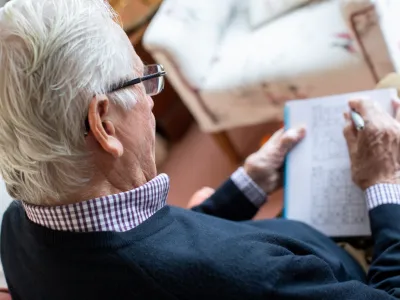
{"x":357,"y":120}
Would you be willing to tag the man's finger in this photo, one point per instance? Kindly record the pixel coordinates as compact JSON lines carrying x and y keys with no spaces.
{"x":360,"y":105}
{"x":350,"y":133}
{"x":346,"y":116}
{"x":275,"y":137}
{"x":396,"y":108}
{"x":291,"y":137}
{"x":349,"y":121}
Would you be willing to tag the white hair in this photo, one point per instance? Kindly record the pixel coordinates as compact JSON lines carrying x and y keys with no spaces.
{"x":54,"y":56}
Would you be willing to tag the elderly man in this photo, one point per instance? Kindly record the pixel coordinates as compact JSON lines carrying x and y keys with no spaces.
{"x":77,"y":152}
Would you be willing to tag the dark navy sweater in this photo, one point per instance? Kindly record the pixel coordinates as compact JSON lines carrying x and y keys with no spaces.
{"x":208,"y":253}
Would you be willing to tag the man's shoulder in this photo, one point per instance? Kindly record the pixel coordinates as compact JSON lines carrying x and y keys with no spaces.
{"x":13,"y":212}
{"x":11,"y":218}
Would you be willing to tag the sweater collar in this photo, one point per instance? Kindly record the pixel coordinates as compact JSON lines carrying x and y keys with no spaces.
{"x":118,"y":212}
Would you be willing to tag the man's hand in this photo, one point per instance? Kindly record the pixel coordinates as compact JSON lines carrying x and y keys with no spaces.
{"x":264,"y":165}
{"x":375,"y":150}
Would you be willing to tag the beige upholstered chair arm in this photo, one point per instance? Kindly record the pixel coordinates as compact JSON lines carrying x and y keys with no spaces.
{"x":364,"y":22}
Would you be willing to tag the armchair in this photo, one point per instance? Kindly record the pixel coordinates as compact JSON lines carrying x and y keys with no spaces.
{"x":232,"y":74}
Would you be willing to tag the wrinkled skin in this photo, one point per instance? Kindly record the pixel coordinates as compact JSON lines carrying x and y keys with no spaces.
{"x":264,"y":166}
{"x":374,"y":151}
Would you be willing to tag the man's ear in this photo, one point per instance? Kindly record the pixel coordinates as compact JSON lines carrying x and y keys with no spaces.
{"x":102,"y":128}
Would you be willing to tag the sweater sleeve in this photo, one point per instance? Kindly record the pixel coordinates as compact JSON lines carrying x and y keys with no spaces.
{"x":228,"y":202}
{"x":384,"y":203}
{"x":248,"y":187}
{"x":309,"y":277}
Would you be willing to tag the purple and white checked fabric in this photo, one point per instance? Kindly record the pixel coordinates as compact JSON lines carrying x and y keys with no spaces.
{"x":119,"y":212}
{"x":124,"y":211}
{"x":249,"y":188}
{"x":380,"y":194}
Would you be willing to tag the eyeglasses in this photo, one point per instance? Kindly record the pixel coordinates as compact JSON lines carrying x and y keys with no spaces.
{"x":152,"y":79}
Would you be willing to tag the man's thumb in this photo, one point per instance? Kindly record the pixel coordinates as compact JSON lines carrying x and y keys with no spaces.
{"x":350,"y":133}
{"x":291,"y":137}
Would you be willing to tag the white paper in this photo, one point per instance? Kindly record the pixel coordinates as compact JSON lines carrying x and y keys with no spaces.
{"x":318,"y":188}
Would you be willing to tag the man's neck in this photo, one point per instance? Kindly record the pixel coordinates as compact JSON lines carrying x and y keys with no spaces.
{"x":108,"y":184}
{"x":116,"y":212}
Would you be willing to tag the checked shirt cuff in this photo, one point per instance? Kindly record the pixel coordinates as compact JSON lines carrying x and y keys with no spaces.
{"x":248,"y":187}
{"x":380,"y":194}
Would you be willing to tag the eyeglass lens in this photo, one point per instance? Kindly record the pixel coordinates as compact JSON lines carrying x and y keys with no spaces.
{"x":153,"y":86}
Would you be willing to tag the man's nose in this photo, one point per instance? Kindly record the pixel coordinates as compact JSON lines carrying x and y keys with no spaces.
{"x":150,"y":101}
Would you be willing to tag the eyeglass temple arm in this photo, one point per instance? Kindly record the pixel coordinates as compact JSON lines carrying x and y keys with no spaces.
{"x":138,"y":80}
{"x":129,"y":83}
{"x":151,"y":76}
